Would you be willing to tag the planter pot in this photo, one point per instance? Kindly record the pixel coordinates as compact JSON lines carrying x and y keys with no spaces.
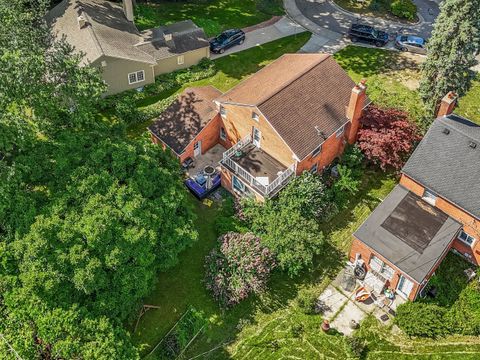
{"x":325,"y":325}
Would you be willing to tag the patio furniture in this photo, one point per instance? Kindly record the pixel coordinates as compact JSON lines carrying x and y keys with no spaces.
{"x":200,"y":179}
{"x":188,"y":163}
{"x":200,"y":191}
{"x":362,"y":294}
{"x":470,"y":273}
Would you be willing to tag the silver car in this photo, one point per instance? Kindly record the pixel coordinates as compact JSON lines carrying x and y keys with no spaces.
{"x":415,"y":44}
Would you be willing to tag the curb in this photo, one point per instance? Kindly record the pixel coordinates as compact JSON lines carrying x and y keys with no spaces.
{"x":420,"y":21}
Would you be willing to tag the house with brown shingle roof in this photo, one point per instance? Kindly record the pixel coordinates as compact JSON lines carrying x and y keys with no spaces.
{"x":105,"y":33}
{"x":294,"y":115}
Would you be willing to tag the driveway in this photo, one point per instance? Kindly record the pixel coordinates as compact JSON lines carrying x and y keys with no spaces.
{"x":329,"y":16}
{"x":329,"y":23}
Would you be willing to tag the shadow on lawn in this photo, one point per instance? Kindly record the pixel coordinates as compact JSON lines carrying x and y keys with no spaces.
{"x":368,"y":61}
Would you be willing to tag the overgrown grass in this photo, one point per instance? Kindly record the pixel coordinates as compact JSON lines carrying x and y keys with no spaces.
{"x":213,"y":16}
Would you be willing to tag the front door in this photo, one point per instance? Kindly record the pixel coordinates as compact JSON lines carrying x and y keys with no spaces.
{"x":197,"y":148}
{"x":404,"y":287}
{"x":257,"y":136}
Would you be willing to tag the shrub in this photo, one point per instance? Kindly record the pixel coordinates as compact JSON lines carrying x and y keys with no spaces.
{"x":238,"y":267}
{"x":420,"y":319}
{"x":297,"y":330}
{"x":307,"y":301}
{"x":345,"y":187}
{"x":464,"y":316}
{"x":404,"y":9}
{"x":387,"y":137}
{"x":126,"y":110}
{"x":356,"y":345}
{"x":353,"y":158}
{"x":227,"y":220}
{"x":307,"y":194}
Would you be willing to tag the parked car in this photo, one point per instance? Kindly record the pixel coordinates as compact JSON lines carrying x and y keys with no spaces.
{"x":411,"y":43}
{"x":368,"y":34}
{"x":227,"y":39}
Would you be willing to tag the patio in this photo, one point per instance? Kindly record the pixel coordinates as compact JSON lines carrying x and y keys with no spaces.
{"x":338,"y":305}
{"x":211,"y":158}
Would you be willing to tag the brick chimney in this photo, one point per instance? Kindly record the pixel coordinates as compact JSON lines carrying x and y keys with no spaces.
{"x":128,"y":9}
{"x":354,"y":109}
{"x":447,"y":104}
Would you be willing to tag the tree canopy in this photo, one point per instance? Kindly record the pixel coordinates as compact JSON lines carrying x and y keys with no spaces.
{"x":452,"y":48}
{"x":87,"y":216}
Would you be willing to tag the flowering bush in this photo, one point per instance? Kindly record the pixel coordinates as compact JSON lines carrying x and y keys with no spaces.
{"x":387,"y":137}
{"x":238,"y":267}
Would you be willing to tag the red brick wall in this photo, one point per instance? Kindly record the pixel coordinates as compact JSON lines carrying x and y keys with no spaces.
{"x":470,"y":225}
{"x":366,"y":253}
{"x":332,"y":148}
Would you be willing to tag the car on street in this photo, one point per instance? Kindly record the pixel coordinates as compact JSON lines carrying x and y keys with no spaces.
{"x":415,"y":44}
{"x":367,"y":34}
{"x":226,"y":40}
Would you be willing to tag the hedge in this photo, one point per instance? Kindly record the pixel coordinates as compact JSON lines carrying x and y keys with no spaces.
{"x":404,"y":9}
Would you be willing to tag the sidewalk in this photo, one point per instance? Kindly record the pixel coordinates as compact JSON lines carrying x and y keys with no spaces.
{"x":280,"y":29}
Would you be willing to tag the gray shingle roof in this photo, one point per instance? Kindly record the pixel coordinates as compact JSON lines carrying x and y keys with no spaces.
{"x":109,"y":33}
{"x":408,"y":232}
{"x":446,"y":163}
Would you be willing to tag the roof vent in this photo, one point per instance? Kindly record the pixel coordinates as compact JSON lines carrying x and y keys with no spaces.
{"x":320,"y":133}
{"x":472,"y":145}
{"x":446,"y":131}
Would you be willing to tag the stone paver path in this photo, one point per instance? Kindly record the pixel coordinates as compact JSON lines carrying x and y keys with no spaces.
{"x":282,"y":28}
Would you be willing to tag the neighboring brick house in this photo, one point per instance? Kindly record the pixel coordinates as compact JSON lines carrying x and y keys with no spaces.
{"x":435,"y":208}
{"x":294,"y":115}
{"x":105,"y":33}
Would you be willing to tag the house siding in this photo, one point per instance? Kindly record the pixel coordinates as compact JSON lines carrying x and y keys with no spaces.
{"x":332,"y":148}
{"x":115,"y":74}
{"x":209,"y":136}
{"x":238,"y":123}
{"x":470,"y":224}
{"x":358,"y":247}
{"x":190,"y":58}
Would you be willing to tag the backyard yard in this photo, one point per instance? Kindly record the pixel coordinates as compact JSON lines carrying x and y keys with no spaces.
{"x":270,"y":325}
{"x":213,"y":16}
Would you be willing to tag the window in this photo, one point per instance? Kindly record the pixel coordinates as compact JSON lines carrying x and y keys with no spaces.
{"x":380,"y":267}
{"x":467,"y":239}
{"x":239,"y":186}
{"x":339,"y":132}
{"x":223,"y":134}
{"x":429,"y":197}
{"x":317,"y":151}
{"x":223,"y":111}
{"x":255,"y":116}
{"x":180,"y":60}
{"x":136,"y":77}
{"x":314,"y":168}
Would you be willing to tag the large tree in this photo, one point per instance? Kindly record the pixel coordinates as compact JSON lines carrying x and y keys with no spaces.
{"x":452,"y":49}
{"x":87,"y":216}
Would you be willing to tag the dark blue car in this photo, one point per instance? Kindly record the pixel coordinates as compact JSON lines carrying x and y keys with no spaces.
{"x":227,"y":39}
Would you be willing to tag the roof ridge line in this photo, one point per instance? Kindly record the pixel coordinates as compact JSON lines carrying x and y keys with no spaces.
{"x":303,"y":73}
{"x":90,"y":28}
{"x":443,"y":121}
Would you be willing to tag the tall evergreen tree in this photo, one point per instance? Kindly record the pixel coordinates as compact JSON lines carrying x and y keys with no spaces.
{"x":452,"y":49}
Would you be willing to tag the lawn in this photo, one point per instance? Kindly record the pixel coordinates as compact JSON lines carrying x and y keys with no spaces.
{"x":213,"y":16}
{"x":374,"y":8}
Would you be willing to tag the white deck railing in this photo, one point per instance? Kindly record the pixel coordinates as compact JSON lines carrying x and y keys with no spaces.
{"x":265,"y":190}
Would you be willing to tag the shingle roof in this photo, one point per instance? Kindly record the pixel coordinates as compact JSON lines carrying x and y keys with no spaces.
{"x":193,"y":109}
{"x":186,"y":36}
{"x":300,"y":95}
{"x":447,"y":162}
{"x":109,"y":33}
{"x":408,"y":232}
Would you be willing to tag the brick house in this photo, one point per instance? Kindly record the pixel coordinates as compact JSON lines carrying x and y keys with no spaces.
{"x":434,"y":209}
{"x":296,"y":114}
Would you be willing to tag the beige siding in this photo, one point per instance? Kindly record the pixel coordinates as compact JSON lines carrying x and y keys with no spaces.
{"x":239,"y":123}
{"x":190,"y":58}
{"x":116,"y":73}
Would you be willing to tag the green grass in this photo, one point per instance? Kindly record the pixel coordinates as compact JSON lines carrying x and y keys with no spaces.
{"x":374,"y":8}
{"x":469,"y":105}
{"x":213,"y":16}
{"x":232,"y":69}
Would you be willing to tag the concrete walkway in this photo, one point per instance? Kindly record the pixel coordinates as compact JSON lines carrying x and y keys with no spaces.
{"x":280,"y":29}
